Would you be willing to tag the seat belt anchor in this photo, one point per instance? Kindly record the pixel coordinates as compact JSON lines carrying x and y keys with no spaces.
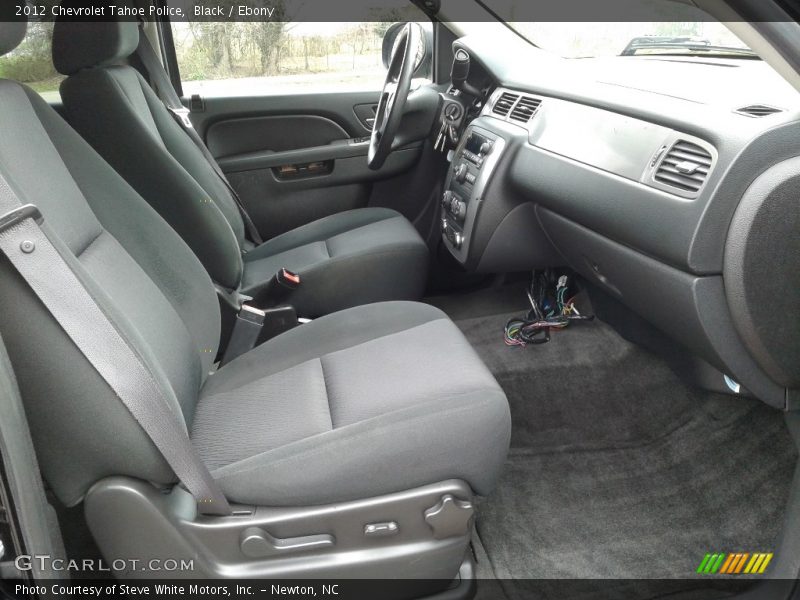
{"x":244,"y":336}
{"x":183,"y":114}
{"x":18,"y":215}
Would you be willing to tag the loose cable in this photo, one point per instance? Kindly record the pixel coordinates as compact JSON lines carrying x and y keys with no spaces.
{"x":544,"y":315}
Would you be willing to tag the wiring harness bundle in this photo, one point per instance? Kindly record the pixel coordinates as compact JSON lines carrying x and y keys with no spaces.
{"x":547,"y":312}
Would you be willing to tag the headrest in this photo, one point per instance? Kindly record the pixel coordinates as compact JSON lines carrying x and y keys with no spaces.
{"x":11,"y":32}
{"x":85,"y":44}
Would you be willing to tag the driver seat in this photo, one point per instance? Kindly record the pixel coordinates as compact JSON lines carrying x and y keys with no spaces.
{"x":347,"y":259}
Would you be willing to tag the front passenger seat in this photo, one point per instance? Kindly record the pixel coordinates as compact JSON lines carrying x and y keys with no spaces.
{"x":349,"y":446}
{"x":346,"y":259}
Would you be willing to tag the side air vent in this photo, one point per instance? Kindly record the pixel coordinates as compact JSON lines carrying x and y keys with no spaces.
{"x":758,"y":110}
{"x":684,"y":167}
{"x":504,"y":103}
{"x":525,"y":109}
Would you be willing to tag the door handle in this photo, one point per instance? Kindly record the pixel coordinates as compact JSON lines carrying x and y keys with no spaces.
{"x":366,"y":113}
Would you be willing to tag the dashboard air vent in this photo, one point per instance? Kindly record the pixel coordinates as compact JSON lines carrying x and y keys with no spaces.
{"x":758,"y":110}
{"x":525,"y":109}
{"x":504,"y":103}
{"x":684,"y":167}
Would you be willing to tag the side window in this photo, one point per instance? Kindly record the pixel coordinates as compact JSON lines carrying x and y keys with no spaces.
{"x":276,"y":58}
{"x":32,"y":63}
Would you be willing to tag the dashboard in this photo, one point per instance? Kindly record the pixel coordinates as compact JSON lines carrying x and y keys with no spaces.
{"x":669,"y":182}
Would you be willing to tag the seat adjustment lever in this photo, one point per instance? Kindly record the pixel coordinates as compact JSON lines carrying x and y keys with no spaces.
{"x":257,"y":543}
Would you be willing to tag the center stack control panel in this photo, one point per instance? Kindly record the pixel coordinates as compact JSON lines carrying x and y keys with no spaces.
{"x":473,"y":162}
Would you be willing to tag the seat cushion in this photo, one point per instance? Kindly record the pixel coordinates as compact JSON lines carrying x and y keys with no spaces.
{"x":347,"y":259}
{"x":368,"y":401}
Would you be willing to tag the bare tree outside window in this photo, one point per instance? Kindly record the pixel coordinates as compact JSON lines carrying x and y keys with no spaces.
{"x":276,"y":56}
{"x":229,"y":58}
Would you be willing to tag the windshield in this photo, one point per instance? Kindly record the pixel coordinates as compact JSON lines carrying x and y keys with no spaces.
{"x":580,"y":40}
{"x":620,"y":28}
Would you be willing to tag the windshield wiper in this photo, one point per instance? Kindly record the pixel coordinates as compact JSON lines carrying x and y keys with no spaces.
{"x":684,"y":46}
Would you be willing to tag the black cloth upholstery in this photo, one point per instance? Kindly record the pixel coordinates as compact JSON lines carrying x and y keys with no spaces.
{"x":12,"y":32}
{"x":392,"y":395}
{"x":347,"y":259}
{"x":362,"y":402}
{"x":372,"y":254}
{"x":82,"y":44}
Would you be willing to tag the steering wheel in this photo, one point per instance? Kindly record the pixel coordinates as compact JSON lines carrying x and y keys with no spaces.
{"x":404,"y":61}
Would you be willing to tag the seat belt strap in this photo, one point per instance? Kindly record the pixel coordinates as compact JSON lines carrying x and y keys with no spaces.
{"x":162,"y":86}
{"x":31,"y":252}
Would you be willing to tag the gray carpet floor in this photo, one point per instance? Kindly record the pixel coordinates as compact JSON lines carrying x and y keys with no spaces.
{"x":618,"y":470}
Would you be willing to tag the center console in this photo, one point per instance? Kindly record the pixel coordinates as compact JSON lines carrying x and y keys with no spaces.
{"x":474,"y":160}
{"x":487,"y":226}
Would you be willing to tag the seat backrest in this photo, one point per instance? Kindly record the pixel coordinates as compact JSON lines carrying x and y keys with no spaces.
{"x":140,"y":272}
{"x":117,"y":112}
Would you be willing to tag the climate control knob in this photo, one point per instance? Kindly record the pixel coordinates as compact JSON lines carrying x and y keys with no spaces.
{"x":447,"y":199}
{"x":461,"y":173}
{"x":459,"y":209}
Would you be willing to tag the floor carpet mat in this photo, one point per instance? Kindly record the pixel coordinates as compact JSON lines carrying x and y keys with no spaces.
{"x":652,"y":511}
{"x":619,"y":470}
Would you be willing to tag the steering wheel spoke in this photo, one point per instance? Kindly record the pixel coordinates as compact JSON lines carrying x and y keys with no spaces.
{"x":394,"y":95}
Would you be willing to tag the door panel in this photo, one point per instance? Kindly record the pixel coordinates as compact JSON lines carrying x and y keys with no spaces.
{"x":233,"y":137}
{"x":280,"y":203}
{"x":336,"y":106}
{"x":297,"y":158}
{"x":288,"y":119}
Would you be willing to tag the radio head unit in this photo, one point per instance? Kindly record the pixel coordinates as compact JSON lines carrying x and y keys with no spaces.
{"x":473,"y":162}
{"x":475,"y":149}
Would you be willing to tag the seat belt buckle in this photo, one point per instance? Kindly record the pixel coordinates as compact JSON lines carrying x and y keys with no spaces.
{"x":288,"y":279}
{"x":277,"y":290}
{"x":18,"y":215}
{"x":183,"y":114}
{"x":254,"y":326}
